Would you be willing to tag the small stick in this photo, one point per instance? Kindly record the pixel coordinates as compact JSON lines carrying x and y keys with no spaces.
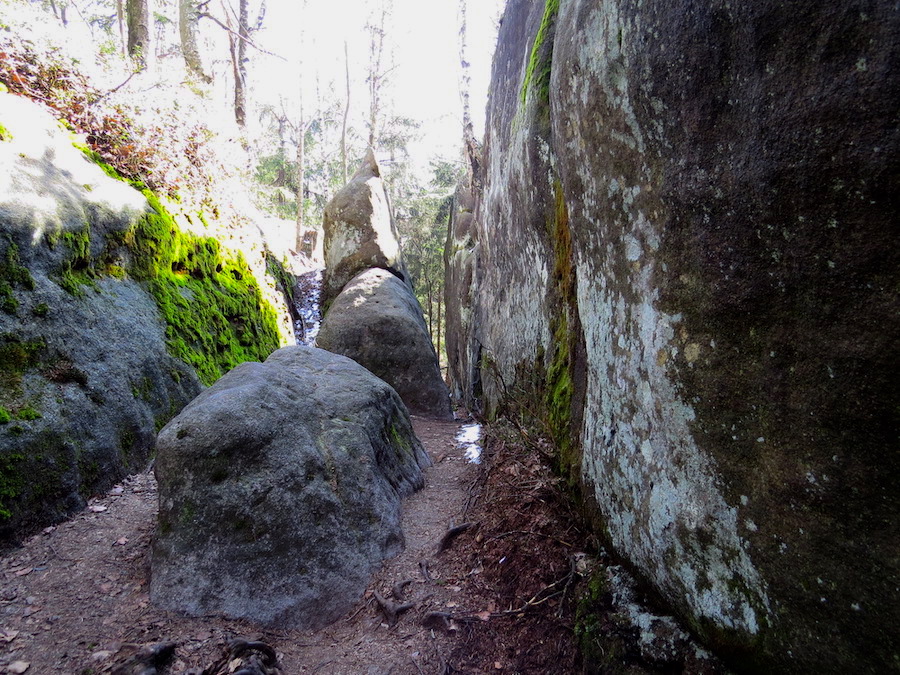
{"x":423,"y":567}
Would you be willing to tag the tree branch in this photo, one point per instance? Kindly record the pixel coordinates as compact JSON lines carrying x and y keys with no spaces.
{"x":207,"y":15}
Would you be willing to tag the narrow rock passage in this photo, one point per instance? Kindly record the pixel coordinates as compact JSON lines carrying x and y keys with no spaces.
{"x":74,"y":598}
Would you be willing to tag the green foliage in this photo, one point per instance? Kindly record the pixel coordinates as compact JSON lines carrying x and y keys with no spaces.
{"x":12,"y":275}
{"x":5,"y":417}
{"x":537,"y":73}
{"x":41,"y":309}
{"x":4,"y":134}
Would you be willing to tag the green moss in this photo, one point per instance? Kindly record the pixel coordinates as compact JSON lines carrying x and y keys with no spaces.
{"x":12,"y":481}
{"x":399,"y":440}
{"x":537,"y":72}
{"x":16,"y":356}
{"x":78,"y":269}
{"x":560,"y":369}
{"x":215,"y":314}
{"x":5,"y":417}
{"x":28,"y":414}
{"x":13,"y":275}
{"x":41,"y":309}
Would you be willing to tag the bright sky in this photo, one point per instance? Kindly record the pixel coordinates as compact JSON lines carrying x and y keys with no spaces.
{"x":424,"y":39}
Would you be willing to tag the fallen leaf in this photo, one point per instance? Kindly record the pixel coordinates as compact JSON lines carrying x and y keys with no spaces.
{"x":23,"y":572}
{"x":452,"y":604}
{"x":8,"y":635}
{"x":48,"y":530}
{"x":121,"y":541}
{"x":498,"y":665}
{"x":18,"y":667}
{"x":484,"y":616}
{"x":97,"y":508}
{"x":117,"y":490}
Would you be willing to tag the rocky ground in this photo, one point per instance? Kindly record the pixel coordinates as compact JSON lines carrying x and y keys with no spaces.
{"x":493,"y":579}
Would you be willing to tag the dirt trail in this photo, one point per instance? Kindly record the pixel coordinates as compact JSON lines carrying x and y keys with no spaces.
{"x":508,"y":595}
{"x":74,"y":598}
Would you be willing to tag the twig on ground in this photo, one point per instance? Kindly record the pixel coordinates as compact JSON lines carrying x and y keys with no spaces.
{"x":423,"y":567}
{"x":532,"y":532}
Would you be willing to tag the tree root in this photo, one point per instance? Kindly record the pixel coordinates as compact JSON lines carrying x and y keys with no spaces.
{"x":451,"y":534}
{"x":392,"y":610}
{"x":253,"y":658}
{"x":423,"y":567}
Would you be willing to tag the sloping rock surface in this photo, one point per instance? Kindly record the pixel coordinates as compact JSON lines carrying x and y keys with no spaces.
{"x":85,"y":378}
{"x":280,"y":490}
{"x":687,"y":258}
{"x":359,"y":230}
{"x":377,"y":322}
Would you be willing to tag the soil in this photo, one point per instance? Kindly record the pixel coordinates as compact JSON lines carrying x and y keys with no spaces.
{"x":502,"y":597}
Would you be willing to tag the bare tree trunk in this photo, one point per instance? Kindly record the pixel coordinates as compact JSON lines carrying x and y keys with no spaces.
{"x":188,"y":18}
{"x":346,"y":115}
{"x":301,"y":177}
{"x":430,"y":314}
{"x":437,"y":345}
{"x":139,"y":41}
{"x":376,"y":76}
{"x":465,"y":83}
{"x":120,"y":16}
{"x":240,"y":70}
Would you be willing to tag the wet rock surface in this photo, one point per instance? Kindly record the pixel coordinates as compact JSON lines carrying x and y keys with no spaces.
{"x":377,"y":322}
{"x":280,"y":489}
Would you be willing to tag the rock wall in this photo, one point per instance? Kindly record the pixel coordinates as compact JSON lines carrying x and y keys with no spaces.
{"x":686,"y":245}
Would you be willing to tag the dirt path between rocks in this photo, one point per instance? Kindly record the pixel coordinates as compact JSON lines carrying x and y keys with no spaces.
{"x":74,"y":598}
{"x":503,"y":597}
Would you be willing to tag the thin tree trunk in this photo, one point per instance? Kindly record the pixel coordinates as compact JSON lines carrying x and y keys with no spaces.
{"x":430,"y":314}
{"x":301,"y":175}
{"x":465,"y":77}
{"x":139,"y":41}
{"x":376,"y":52}
{"x":438,"y":345}
{"x":240,"y":71}
{"x":188,"y":18}
{"x":120,"y":16}
{"x":346,"y":115}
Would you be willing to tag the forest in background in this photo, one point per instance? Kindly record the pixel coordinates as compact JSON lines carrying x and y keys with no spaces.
{"x":166,"y":92}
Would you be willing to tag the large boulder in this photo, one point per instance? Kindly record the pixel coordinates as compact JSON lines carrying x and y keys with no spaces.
{"x":687,"y":237}
{"x":359,"y":230}
{"x":280,"y":489}
{"x":85,"y":376}
{"x":377,"y":322}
